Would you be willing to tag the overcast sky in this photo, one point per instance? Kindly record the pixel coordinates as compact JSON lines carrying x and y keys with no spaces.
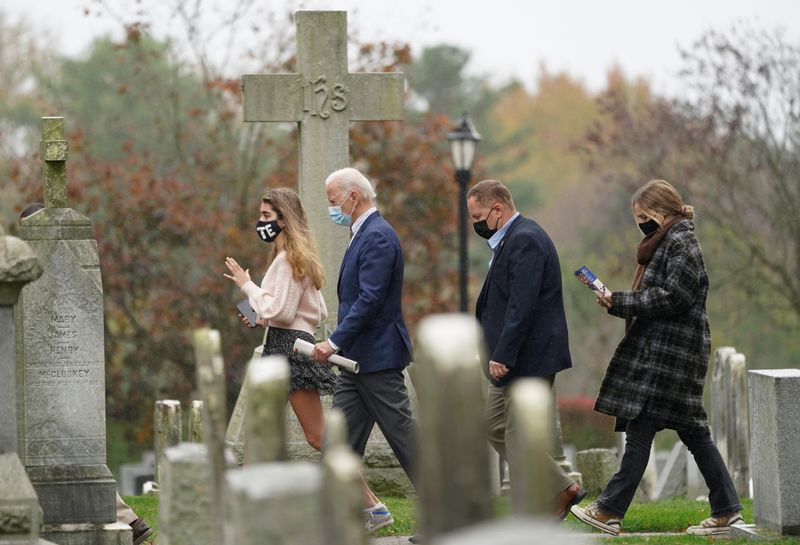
{"x":507,"y":38}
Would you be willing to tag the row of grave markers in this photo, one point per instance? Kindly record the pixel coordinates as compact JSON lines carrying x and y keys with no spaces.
{"x":271,"y":500}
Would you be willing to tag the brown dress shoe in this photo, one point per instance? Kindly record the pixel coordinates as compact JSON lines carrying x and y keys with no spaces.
{"x":572,"y":495}
{"x":141,"y":531}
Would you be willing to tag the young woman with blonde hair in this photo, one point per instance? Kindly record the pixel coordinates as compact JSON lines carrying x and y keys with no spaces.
{"x":290,"y":304}
{"x":655,"y":379}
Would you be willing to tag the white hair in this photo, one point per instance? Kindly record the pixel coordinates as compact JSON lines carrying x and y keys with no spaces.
{"x":350,"y":179}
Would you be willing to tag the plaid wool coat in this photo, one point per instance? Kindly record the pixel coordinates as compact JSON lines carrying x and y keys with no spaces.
{"x":660,"y":365}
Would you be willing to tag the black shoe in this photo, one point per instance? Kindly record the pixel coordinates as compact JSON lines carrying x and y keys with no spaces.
{"x":141,"y":531}
{"x":415,"y":538}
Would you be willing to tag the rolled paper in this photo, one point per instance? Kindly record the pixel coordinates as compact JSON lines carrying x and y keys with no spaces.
{"x":305,"y":348}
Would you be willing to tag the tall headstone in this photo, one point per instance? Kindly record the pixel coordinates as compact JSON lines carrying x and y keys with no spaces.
{"x":211,"y":384}
{"x":195,"y":427}
{"x":342,"y":496}
{"x":277,"y":503}
{"x":775,"y":456}
{"x":452,"y":431}
{"x":531,"y":410}
{"x":718,"y":419}
{"x":59,"y":337}
{"x":20,"y":514}
{"x":166,"y":429}
{"x":267,"y":395}
{"x":235,"y":432}
{"x":185,"y":506}
{"x":323,"y":98}
{"x":730,"y":418}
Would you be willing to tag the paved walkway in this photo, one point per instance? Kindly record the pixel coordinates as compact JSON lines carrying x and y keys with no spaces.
{"x":403,"y":540}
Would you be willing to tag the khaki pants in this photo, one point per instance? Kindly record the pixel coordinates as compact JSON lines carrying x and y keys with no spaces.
{"x":500,"y":430}
{"x":124,"y":513}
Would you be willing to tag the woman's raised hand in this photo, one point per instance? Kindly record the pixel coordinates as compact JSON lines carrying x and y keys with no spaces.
{"x":238,"y":275}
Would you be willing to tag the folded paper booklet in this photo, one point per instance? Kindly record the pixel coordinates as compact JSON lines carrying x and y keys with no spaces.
{"x":247,"y":311}
{"x":588,"y":277}
{"x":305,"y":348}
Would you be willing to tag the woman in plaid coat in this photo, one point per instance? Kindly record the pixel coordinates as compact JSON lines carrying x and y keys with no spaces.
{"x":655,"y":379}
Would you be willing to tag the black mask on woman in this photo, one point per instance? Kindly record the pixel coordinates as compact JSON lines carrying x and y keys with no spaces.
{"x":649,"y":227}
{"x":482,"y":228}
{"x":268,"y":231}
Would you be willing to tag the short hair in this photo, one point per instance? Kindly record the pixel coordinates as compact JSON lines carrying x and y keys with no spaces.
{"x":489,"y":192}
{"x":351,"y":179}
{"x":31,"y":209}
{"x":660,"y":196}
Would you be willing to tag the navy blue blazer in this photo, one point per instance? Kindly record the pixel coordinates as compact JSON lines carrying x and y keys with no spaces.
{"x":371,"y":329}
{"x":521,"y":307}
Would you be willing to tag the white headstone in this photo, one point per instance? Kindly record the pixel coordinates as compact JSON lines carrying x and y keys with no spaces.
{"x":775,"y":456}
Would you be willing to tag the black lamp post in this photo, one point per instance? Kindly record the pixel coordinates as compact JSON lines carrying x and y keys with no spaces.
{"x":463,"y":141}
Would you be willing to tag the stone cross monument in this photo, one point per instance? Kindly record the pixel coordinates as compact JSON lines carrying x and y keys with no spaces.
{"x":323,"y":98}
{"x":60,"y":349}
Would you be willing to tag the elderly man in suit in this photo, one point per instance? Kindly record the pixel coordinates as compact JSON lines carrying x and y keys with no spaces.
{"x":370,"y":326}
{"x":521,"y":312}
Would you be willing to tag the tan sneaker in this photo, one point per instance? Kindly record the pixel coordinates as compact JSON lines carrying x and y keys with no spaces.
{"x":716,"y":525}
{"x":596,"y":518}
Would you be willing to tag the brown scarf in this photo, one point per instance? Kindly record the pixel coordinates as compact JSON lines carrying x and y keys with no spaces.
{"x":644,"y":253}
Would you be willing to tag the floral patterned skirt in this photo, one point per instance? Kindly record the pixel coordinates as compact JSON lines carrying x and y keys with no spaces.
{"x":305,"y":373}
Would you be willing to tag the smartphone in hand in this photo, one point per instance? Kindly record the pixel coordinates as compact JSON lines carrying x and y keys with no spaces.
{"x":244,"y":308}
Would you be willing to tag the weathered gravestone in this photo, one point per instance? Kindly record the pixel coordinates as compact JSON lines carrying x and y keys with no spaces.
{"x":211,"y":384}
{"x":192,"y":494}
{"x":775,"y":456}
{"x":730,"y":418}
{"x":20,"y":513}
{"x":185,"y":506}
{"x":59,"y":342}
{"x":167,"y":429}
{"x":323,"y":98}
{"x":342,"y":494}
{"x":195,"y":426}
{"x":597,"y":466}
{"x":453,"y":461}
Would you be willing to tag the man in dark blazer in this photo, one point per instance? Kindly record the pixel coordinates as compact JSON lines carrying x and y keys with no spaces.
{"x":521,"y":311}
{"x":370,"y":329}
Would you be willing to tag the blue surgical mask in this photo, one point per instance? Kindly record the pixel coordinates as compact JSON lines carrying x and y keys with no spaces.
{"x":338,"y":217}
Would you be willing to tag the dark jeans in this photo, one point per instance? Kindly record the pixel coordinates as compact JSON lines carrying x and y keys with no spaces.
{"x":619,"y":492}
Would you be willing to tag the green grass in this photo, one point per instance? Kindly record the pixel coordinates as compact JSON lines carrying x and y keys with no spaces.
{"x":671,"y":516}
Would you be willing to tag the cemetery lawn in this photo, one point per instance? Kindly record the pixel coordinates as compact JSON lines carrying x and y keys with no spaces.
{"x":670,"y":516}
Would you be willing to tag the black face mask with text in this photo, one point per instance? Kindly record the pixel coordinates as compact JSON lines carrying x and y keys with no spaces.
{"x":268,"y":231}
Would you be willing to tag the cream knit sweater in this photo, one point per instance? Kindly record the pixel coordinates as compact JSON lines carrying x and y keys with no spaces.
{"x":284,"y":301}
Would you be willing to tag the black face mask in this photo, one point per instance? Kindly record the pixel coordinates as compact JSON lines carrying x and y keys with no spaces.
{"x":482,"y":228}
{"x":649,"y":227}
{"x":268,"y":231}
